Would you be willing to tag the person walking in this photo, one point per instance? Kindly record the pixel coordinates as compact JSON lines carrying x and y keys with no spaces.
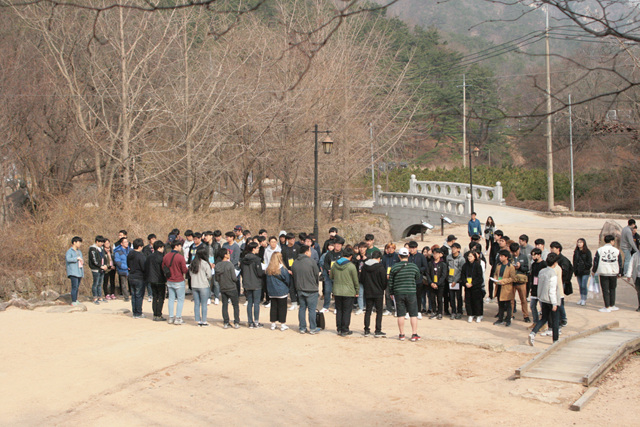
{"x":278,"y":282}
{"x":504,"y":276}
{"x":175,"y":263}
{"x":628,"y":244}
{"x":200,"y":272}
{"x":472,"y":278}
{"x":98,"y":268}
{"x":402,"y":286}
{"x":549,"y":293}
{"x":136,"y":261}
{"x":75,"y":270}
{"x":374,"y":280}
{"x":607,"y":264}
{"x":345,"y":288}
{"x":156,"y":279}
{"x":305,"y":276}
{"x":252,"y":274}
{"x":582,"y":263}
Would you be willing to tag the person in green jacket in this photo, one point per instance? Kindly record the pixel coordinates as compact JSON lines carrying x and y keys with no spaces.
{"x":345,"y":288}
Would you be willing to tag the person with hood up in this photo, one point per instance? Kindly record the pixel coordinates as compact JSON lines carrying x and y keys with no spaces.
{"x":345,"y":288}
{"x":374,"y":280}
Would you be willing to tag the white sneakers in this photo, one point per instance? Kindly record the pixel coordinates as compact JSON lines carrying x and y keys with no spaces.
{"x":419,"y":316}
{"x":614,"y":308}
{"x":604,"y":310}
{"x":532,"y":338}
{"x":470,"y":319}
{"x":209,"y":301}
{"x":386,"y":313}
{"x":406,"y":316}
{"x":284,"y":327}
{"x":359,"y":312}
{"x":478,"y":319}
{"x":294,"y":305}
{"x":324,"y":310}
{"x":273,"y":326}
{"x":216,"y":301}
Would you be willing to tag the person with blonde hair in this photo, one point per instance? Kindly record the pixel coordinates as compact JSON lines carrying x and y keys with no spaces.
{"x":278,"y":282}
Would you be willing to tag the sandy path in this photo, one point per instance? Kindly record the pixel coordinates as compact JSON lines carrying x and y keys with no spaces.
{"x":96,"y":368}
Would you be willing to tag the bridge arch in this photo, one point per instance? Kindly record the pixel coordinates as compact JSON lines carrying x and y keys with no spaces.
{"x":413,"y":229}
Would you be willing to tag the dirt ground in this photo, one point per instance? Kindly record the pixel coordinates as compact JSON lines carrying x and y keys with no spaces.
{"x":100,"y":368}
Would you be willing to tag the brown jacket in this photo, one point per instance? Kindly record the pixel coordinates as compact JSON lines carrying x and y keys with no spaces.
{"x":507,"y":292}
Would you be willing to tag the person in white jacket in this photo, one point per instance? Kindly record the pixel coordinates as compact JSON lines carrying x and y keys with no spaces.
{"x":550,"y":295}
{"x":607,"y":264}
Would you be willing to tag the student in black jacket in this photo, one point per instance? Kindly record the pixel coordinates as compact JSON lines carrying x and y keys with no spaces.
{"x":154,"y":276}
{"x":373,"y":278}
{"x":537,"y":264}
{"x":472,"y":279}
{"x":420,"y":261}
{"x":135,"y":262}
{"x":437,"y":278}
{"x":582,"y":263}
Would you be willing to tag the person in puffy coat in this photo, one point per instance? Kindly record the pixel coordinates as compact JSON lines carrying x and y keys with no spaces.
{"x":278,"y":282}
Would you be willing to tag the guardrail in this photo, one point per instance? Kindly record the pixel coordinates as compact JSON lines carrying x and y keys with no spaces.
{"x":434,"y":203}
{"x":457,"y":191}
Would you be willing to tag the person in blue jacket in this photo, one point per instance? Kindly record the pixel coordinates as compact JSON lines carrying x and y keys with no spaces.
{"x":75,"y":270}
{"x":474,"y":226}
{"x":120,"y":254}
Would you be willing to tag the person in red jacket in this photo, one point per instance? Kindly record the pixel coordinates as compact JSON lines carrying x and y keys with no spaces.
{"x":175,"y":262}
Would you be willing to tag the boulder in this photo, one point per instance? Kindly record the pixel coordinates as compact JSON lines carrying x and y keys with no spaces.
{"x":611,"y":227}
{"x":64,"y":298}
{"x":49,"y":295}
{"x":67,"y":309}
{"x":121,"y":311}
{"x":20,"y":303}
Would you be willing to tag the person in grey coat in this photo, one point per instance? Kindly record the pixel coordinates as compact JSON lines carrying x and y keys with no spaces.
{"x":226,"y":276}
{"x":305,"y":277}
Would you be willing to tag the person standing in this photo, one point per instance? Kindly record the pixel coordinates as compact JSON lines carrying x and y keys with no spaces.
{"x":154,"y":276}
{"x":627,"y":244}
{"x":389,"y":259}
{"x":489,"y":229}
{"x":136,"y":261}
{"x":289,"y":255}
{"x":567,"y":274}
{"x":504,"y":277}
{"x":200,"y":272}
{"x":330,"y":258}
{"x":305,"y":276}
{"x":97,"y":267}
{"x":345,"y":288}
{"x":420,"y":261}
{"x":252,"y":274}
{"x":472,"y":278}
{"x":607,"y":264}
{"x":634,"y":272}
{"x":455,"y":261}
{"x":176,"y":264}
{"x":536,"y":266}
{"x":370,"y":241}
{"x":402,"y":286}
{"x":147,"y":251}
{"x":521,"y":264}
{"x":374,"y":280}
{"x":473,"y":227}
{"x":226,"y":276}
{"x":278,"y":282}
{"x":437,"y":278}
{"x":582,"y":263}
{"x":549,"y":293}
{"x":110,"y":273}
{"x":75,"y":269}
{"x":120,"y":254}
{"x":333,"y":232}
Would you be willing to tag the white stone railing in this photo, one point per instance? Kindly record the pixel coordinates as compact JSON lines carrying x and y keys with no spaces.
{"x":444,"y":205}
{"x":457,"y":191}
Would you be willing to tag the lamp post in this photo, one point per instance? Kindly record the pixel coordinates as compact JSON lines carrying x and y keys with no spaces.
{"x":327,"y":143}
{"x":476,"y":152}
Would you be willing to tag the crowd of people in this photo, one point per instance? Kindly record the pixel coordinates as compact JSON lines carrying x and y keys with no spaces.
{"x":438,"y":281}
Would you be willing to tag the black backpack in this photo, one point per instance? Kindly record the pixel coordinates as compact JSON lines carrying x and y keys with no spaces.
{"x":167,"y":269}
{"x":320,"y":320}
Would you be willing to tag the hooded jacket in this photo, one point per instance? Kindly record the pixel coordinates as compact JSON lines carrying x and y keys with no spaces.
{"x":345,"y":278}
{"x":226,"y":276}
{"x":252,"y":272}
{"x":268,"y":253}
{"x":153,"y":268}
{"x":96,"y":258}
{"x":374,"y":278}
{"x":305,"y":274}
{"x":454,"y":264}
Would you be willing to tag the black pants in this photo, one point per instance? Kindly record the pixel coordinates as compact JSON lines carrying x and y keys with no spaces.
{"x":158,"y":290}
{"x":124,"y":285}
{"x":436,"y":299}
{"x":638,"y":289}
{"x":608,"y":285}
{"x":504,"y":307}
{"x":109,"y":284}
{"x":344,"y":305}
{"x":377,"y":303}
{"x":420,"y":291}
{"x":473,"y":301}
{"x":388,"y":302}
{"x":548,"y":315}
{"x":233,"y":297}
{"x":278,"y":310}
{"x":455,"y":299}
{"x":292,"y":291}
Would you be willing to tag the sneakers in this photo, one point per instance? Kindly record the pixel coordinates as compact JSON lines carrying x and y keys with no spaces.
{"x":258,"y":325}
{"x":401,"y":337}
{"x":459,"y":316}
{"x":246,"y":303}
{"x":252,"y":326}
{"x":75,"y":303}
{"x":452,"y":317}
{"x":439,"y":316}
{"x":527,"y":320}
{"x":216,"y":301}
{"x":415,"y":337}
{"x":419,"y":316}
{"x":236,"y":326}
{"x":324,"y":310}
{"x":507,"y":323}
{"x":178,"y":321}
{"x":406,"y":316}
{"x":209,"y":301}
{"x":614,"y":308}
{"x":498,"y":322}
{"x":547,"y":333}
{"x":359,"y":312}
{"x":367,"y":333}
{"x":171,"y":320}
{"x":268,"y":305}
{"x":604,"y":310}
{"x":386,"y":313}
{"x":433,"y":316}
{"x":478,"y":319}
{"x":283,"y":327}
{"x":532,"y":338}
{"x":380,"y":334}
{"x":294,"y":305}
{"x":226,"y":326}
{"x":96,"y":302}
{"x":203,"y":324}
{"x":273,"y":326}
{"x":150,"y":299}
{"x":470,"y":319}
{"x":303,"y":331}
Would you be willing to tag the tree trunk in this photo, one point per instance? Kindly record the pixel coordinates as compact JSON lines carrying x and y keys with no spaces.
{"x":263,"y":200}
{"x":346,"y":205}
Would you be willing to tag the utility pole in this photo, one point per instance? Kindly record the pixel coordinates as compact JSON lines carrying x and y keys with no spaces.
{"x":550,"y":195}
{"x":373,"y":171}
{"x":573,"y":206}
{"x":464,"y":121}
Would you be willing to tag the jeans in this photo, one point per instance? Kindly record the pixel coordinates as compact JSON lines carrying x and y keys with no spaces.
{"x":582,"y":282}
{"x":563,"y":313}
{"x":608,"y":285}
{"x":216,"y":288}
{"x":233,"y":297}
{"x":533,"y":305}
{"x":123,"y":280}
{"x":75,"y":285}
{"x":627,"y":260}
{"x":327,"y":289}
{"x":158,"y":298}
{"x":307,"y":301}
{"x":455,"y":299}
{"x":377,"y":303}
{"x":344,"y":305}
{"x":96,"y":289}
{"x":548,"y":315}
{"x":200,"y":297}
{"x":361,"y":305}
{"x":176,"y":291}
{"x":149,"y":289}
{"x":253,"y":300}
{"x":137,"y":295}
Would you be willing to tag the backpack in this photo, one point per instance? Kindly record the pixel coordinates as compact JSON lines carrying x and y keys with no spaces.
{"x":167,"y":269}
{"x":320,"y":320}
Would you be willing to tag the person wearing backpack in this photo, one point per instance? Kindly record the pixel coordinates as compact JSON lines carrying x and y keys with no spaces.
{"x":174,"y":267}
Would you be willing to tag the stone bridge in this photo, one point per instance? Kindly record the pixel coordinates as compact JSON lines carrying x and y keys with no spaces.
{"x":429,"y":201}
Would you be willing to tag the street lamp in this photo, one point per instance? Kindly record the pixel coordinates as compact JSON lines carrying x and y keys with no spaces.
{"x":476,"y":152}
{"x":327,"y":144}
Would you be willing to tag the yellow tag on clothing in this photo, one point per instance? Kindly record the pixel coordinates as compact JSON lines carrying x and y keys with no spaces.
{"x":451,"y":272}
{"x":435,"y":278}
{"x":290,"y":262}
{"x":388,"y":270}
{"x":332,"y":262}
{"x":469,"y":280}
